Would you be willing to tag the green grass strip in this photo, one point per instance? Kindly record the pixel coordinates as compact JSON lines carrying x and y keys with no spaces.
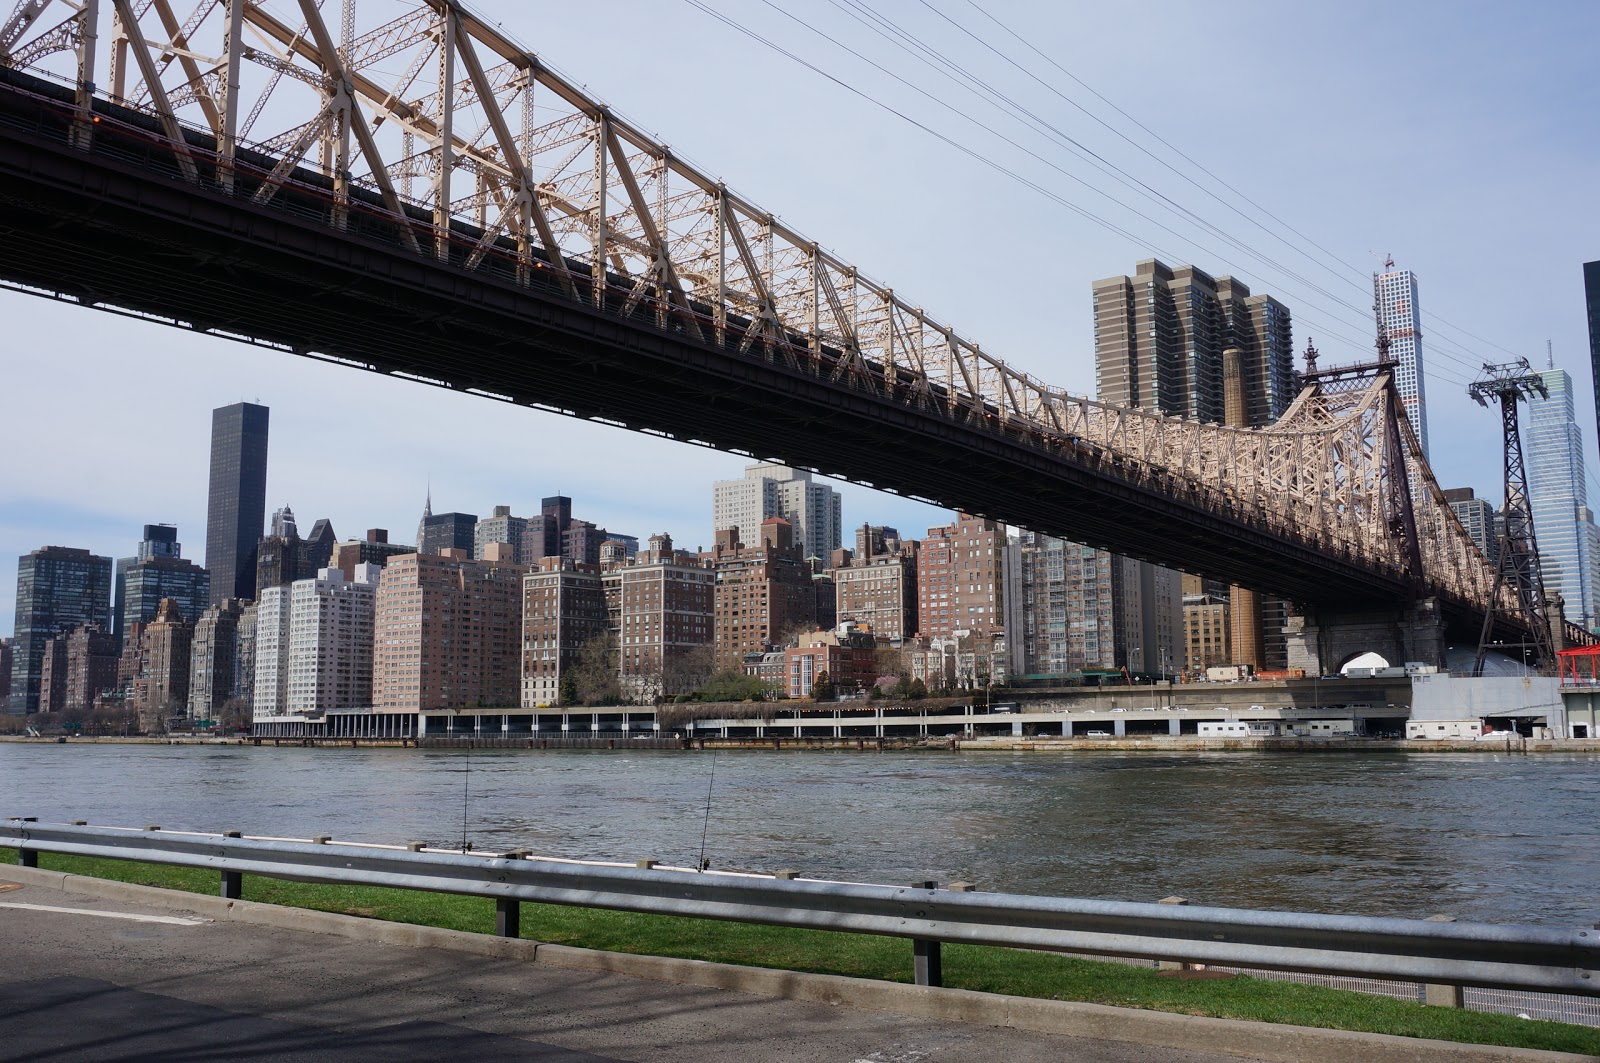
{"x":981,"y":968}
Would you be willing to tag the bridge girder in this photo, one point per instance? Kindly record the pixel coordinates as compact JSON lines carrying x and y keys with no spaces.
{"x":262,"y":125}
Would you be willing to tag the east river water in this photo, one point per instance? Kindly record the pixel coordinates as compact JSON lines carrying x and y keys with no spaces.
{"x":1484,"y":837}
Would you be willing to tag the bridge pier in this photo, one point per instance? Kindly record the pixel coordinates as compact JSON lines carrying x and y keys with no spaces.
{"x":1322,"y":640}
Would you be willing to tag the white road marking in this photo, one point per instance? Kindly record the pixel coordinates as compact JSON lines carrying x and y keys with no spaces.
{"x":175,"y":920}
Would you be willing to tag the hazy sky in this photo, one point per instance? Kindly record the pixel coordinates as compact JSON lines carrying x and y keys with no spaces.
{"x":1456,"y":137}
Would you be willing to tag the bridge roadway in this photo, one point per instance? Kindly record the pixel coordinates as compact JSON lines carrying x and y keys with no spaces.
{"x":117,"y":226}
{"x":89,"y":979}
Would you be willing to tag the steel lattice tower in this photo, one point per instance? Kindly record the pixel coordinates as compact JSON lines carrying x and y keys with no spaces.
{"x":1508,"y":384}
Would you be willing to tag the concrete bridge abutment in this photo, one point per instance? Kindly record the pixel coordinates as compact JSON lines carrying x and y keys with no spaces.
{"x":1322,"y":640}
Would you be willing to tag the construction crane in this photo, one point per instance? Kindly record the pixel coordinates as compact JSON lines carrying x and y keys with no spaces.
{"x":1518,"y":564}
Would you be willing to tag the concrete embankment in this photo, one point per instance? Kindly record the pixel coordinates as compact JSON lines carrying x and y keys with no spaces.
{"x":1155,"y":744}
{"x":1187,"y":744}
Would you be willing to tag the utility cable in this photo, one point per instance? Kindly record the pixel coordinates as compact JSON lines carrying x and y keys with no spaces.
{"x":1037,"y":124}
{"x":1007,"y":171}
{"x":1025,"y":42}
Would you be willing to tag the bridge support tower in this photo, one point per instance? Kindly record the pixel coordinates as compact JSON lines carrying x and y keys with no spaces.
{"x":1321,"y":641}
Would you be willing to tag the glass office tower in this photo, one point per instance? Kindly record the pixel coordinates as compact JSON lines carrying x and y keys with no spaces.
{"x":1569,"y":544}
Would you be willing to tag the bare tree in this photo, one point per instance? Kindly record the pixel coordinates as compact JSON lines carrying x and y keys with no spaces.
{"x":687,"y":672}
{"x":594,"y":676}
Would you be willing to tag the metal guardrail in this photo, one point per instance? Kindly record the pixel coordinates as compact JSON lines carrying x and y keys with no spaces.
{"x":1457,"y":954}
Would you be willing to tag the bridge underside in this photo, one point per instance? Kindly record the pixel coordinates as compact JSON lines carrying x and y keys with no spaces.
{"x":114,"y":227}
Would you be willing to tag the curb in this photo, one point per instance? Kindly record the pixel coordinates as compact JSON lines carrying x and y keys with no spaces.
{"x":1236,"y":1037}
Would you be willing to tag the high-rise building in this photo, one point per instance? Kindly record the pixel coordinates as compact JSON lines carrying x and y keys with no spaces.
{"x":1477,"y":516}
{"x":375,"y":549}
{"x":1159,"y":337}
{"x":1396,"y":296}
{"x":661,"y":607}
{"x":5,"y":673}
{"x":284,"y":557}
{"x":58,"y":588}
{"x":269,"y":695}
{"x":313,"y":644}
{"x":563,"y":608}
{"x":438,"y":532}
{"x":130,"y":664}
{"x":244,"y":661}
{"x":91,"y":667}
{"x":1179,"y":342}
{"x":875,"y":540}
{"x":764,"y":592}
{"x":502,"y":527}
{"x":813,"y":510}
{"x":53,"y":676}
{"x":876,"y":586}
{"x":552,"y":533}
{"x":1148,"y":610}
{"x":215,"y":659}
{"x":1563,"y":523}
{"x":546,"y":533}
{"x":1262,"y":330}
{"x":330,"y":641}
{"x":160,"y":540}
{"x":1206,"y":634}
{"x":158,"y":572}
{"x":1062,"y":612}
{"x":1591,"y":292}
{"x":447,"y":632}
{"x":161,"y":691}
{"x":960,"y":578}
{"x":237,"y":502}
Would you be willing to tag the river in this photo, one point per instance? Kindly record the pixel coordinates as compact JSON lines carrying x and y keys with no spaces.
{"x":1483,"y":837}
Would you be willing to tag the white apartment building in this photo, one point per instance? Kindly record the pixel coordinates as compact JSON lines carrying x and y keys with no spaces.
{"x":330,"y":641}
{"x":313,"y":645}
{"x":769,"y":490}
{"x":271,"y":692}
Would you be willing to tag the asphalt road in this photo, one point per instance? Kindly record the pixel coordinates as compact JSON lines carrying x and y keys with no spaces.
{"x":78,"y":984}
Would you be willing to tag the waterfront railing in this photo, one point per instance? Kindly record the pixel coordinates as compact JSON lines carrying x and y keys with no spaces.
{"x":1494,"y":956}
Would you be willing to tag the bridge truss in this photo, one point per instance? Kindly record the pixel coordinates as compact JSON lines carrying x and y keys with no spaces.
{"x":422,"y":117}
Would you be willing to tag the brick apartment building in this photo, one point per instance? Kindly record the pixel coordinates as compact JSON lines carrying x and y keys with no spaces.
{"x":446,"y":631}
{"x":764,"y":592}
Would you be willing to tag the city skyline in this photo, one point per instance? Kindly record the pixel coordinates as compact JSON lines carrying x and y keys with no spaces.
{"x":396,"y":433}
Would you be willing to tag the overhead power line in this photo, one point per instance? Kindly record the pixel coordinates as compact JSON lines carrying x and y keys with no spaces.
{"x":988,"y":94}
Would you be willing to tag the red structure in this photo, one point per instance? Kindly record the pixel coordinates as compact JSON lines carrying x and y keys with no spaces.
{"x":1580,"y":666}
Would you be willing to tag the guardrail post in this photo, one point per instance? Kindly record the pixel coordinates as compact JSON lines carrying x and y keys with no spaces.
{"x":927,"y":964}
{"x":25,"y":857}
{"x":1171,"y":965}
{"x":1440,"y":995}
{"x":232,"y":881}
{"x":507,"y":917}
{"x":508,"y":910}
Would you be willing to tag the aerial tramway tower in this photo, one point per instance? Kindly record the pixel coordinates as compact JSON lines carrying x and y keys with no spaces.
{"x":1518,"y":565}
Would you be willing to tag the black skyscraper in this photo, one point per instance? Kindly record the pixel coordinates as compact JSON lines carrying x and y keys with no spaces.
{"x":58,"y":588}
{"x":1591,"y":289}
{"x":237,"y":507}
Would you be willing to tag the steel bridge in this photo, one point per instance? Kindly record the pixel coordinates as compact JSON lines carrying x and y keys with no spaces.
{"x":413,"y":193}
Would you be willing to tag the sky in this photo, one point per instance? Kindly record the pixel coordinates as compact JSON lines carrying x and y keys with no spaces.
{"x":1309,"y":140}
